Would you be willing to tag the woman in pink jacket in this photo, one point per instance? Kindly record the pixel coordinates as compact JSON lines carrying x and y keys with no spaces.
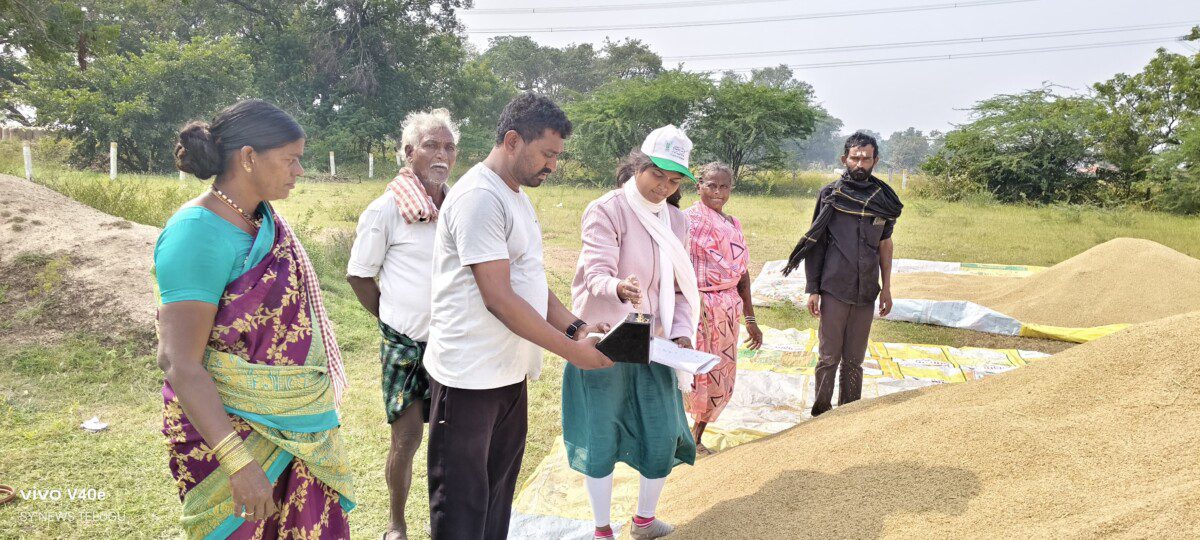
{"x":634,"y":258}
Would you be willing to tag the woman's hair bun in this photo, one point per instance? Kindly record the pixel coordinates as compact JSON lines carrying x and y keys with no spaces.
{"x":197,"y":152}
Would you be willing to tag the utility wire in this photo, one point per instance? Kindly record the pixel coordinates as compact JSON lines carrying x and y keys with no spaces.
{"x":933,"y":42}
{"x":751,"y":20}
{"x":615,"y":7}
{"x":911,"y":59}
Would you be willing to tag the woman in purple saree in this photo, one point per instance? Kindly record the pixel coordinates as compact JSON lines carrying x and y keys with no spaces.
{"x":253,"y":374}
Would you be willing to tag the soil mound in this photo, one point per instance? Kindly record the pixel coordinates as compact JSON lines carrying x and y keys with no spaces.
{"x":66,"y":267}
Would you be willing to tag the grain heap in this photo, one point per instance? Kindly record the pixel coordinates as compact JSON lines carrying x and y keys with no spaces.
{"x":1098,"y":440}
{"x":1126,"y":280}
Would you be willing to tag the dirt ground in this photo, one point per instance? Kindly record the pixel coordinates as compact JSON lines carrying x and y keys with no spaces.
{"x":66,"y":267}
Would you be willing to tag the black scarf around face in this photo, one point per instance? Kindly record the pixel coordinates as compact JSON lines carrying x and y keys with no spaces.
{"x":871,"y":197}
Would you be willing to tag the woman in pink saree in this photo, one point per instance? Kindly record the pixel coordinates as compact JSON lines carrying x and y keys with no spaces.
{"x":721,"y":260}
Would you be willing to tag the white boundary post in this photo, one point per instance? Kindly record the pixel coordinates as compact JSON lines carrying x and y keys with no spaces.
{"x":112,"y":161}
{"x":332,"y":164}
{"x":370,"y":165}
{"x":27,"y":153}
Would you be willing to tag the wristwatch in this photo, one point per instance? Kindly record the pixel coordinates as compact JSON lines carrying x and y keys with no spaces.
{"x":574,"y":328}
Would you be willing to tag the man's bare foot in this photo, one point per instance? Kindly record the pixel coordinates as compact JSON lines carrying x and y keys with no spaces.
{"x":395,"y":534}
{"x":702,"y":450}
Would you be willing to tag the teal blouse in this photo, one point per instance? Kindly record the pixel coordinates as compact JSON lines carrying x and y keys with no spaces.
{"x":198,"y":254}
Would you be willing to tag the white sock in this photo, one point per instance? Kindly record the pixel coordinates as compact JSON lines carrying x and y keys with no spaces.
{"x":600,"y":493}
{"x":648,"y":493}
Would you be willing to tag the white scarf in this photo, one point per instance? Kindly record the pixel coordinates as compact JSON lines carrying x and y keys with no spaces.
{"x":675,"y":267}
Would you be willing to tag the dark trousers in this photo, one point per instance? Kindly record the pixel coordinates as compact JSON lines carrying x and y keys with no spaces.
{"x":476,"y":441}
{"x":843,"y":332}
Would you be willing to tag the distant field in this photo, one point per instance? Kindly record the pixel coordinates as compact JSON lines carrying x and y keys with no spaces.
{"x":46,"y":391}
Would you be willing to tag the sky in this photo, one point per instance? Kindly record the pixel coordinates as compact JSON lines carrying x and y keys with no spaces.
{"x":883,"y":97}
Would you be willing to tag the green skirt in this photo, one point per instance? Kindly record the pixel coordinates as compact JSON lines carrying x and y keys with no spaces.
{"x":631,"y":413}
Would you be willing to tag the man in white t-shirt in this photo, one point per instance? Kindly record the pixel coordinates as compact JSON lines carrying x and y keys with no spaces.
{"x":493,"y":312}
{"x":394,"y":245}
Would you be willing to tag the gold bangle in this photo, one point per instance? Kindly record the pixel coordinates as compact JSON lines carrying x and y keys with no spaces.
{"x":223,"y":442}
{"x":228,"y":441}
{"x":220,"y":455}
{"x":228,"y":450}
{"x":236,"y":460}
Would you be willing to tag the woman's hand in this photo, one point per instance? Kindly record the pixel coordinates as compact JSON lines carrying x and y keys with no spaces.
{"x":683,"y":342}
{"x":252,"y":492}
{"x":754,"y":340}
{"x":629,"y":290}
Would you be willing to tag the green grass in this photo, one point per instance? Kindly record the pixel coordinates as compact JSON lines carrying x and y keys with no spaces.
{"x":47,"y":390}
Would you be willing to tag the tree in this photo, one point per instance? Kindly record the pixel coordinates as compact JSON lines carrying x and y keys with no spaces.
{"x":530,"y":67}
{"x":365,"y":64}
{"x":1141,"y":117}
{"x":349,"y":70}
{"x":476,"y":97}
{"x":138,"y":101}
{"x":745,"y":123}
{"x":46,"y":30}
{"x":937,"y":141}
{"x":820,"y":148}
{"x":617,"y":117}
{"x":1177,"y":171}
{"x":780,"y":76}
{"x":628,"y":59}
{"x":1033,"y":146}
{"x":567,"y":73}
{"x":906,"y":149}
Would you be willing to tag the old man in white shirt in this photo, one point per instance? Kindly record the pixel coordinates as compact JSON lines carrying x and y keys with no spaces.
{"x":390,"y":271}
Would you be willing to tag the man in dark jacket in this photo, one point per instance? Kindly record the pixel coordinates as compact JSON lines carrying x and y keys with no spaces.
{"x":846,"y":253}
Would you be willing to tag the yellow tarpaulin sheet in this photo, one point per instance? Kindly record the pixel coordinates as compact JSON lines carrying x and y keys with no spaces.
{"x":1074,"y":335}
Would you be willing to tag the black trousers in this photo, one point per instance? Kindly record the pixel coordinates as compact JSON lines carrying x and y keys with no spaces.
{"x":476,"y":442}
{"x":843,"y":331}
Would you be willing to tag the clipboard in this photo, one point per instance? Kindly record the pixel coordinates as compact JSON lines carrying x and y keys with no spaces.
{"x":629,"y":340}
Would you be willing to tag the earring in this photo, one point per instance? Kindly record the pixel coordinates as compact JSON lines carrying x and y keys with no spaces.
{"x":247,"y":167}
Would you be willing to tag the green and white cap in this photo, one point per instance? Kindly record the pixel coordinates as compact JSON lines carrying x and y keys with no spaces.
{"x":669,"y":148}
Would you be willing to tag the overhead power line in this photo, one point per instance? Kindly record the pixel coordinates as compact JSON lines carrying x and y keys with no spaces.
{"x":751,"y":20}
{"x":615,"y":7}
{"x":930,"y":58}
{"x":934,"y":42}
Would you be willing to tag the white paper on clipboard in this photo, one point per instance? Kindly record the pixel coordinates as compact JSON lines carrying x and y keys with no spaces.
{"x":663,"y":351}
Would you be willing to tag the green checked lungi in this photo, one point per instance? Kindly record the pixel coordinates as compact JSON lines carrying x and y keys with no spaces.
{"x":404,"y":379}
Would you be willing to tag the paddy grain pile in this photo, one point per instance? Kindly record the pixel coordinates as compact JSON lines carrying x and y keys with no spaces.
{"x":1098,"y":440}
{"x":1126,"y":280}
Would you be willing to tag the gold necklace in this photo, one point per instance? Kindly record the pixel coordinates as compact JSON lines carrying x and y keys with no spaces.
{"x":254,"y":222}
